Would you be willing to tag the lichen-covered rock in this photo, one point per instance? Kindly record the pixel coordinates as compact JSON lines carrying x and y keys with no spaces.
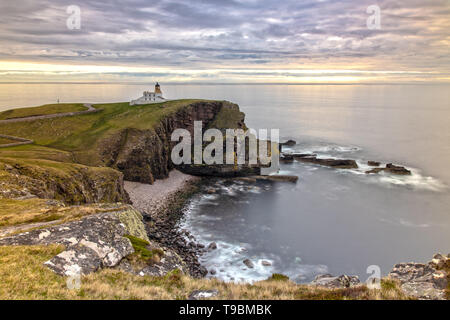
{"x":329,"y":281}
{"x":132,"y":219}
{"x":91,"y":243}
{"x":423,"y":281}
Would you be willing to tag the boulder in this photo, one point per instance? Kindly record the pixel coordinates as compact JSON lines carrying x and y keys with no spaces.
{"x":329,"y":281}
{"x":423,"y":281}
{"x":91,"y":243}
{"x":373,"y":163}
{"x":266,"y":263}
{"x":212,"y":246}
{"x":248,"y":263}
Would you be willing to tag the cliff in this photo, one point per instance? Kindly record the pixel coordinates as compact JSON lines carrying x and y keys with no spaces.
{"x":85,"y":158}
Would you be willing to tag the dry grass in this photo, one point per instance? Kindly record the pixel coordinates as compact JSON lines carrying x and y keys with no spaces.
{"x":24,"y":277}
{"x":23,"y":212}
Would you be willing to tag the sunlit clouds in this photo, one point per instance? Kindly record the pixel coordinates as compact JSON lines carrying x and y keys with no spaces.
{"x":225,"y":41}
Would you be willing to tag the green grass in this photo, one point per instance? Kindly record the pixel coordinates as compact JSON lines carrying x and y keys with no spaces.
{"x":278,"y":277}
{"x":42,"y":110}
{"x":6,"y":141}
{"x":83,"y":135}
{"x":142,"y":253}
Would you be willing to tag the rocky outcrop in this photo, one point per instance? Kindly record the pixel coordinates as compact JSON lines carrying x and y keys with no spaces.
{"x":332,"y":282}
{"x":289,"y":143}
{"x":423,"y":281}
{"x":71,"y":183}
{"x":99,"y":241}
{"x":334,"y":163}
{"x":391,"y":168}
{"x":144,"y":155}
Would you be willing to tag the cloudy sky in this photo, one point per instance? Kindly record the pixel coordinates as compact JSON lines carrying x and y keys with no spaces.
{"x":225,"y":41}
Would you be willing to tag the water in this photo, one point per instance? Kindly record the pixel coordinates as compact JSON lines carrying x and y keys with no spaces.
{"x":336,"y":221}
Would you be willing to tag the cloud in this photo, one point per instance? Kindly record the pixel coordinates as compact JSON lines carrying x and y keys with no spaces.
{"x":206,"y":34}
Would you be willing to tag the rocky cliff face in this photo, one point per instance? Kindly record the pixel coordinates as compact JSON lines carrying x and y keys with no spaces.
{"x":68,"y":182}
{"x":144,"y":155}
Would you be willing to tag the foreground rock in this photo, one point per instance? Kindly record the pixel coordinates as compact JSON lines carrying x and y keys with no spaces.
{"x":203,"y":294}
{"x":331,"y":282}
{"x":423,"y":281}
{"x":95,"y":242}
{"x":391,"y":168}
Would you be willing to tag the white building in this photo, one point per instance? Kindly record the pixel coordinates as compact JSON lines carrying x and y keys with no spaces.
{"x":150,"y":97}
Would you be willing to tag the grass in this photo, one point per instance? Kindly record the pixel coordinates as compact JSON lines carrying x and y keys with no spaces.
{"x":42,"y":110}
{"x":83,"y":135}
{"x":25,"y":277}
{"x":6,"y":141}
{"x":22,"y":212}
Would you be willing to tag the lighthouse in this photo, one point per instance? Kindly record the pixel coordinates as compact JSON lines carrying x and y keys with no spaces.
{"x":149,"y":97}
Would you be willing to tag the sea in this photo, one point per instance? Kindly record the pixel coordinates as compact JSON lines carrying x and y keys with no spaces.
{"x":331,"y":221}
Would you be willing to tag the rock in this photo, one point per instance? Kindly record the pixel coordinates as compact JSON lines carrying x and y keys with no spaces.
{"x":303,"y":155}
{"x":277,"y":178}
{"x":212,"y":246}
{"x":288,"y":143}
{"x":203,"y":294}
{"x":91,"y":243}
{"x":287,"y":158}
{"x":373,"y":163}
{"x":212,"y":271}
{"x":391,"y":169}
{"x":329,"y":281}
{"x":211,"y":191}
{"x":266,"y":263}
{"x":248,"y":263}
{"x":334,"y":163}
{"x":397,"y":169}
{"x":423,"y":281}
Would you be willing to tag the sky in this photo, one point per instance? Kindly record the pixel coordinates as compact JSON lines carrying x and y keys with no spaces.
{"x":225,"y":41}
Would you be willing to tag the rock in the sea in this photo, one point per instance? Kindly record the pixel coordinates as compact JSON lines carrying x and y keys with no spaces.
{"x":329,"y":281}
{"x":391,"y":168}
{"x":266,"y":263}
{"x":287,"y":158}
{"x":277,"y":178}
{"x":423,"y":281}
{"x":334,"y":163}
{"x":248,"y":263}
{"x":212,"y":246}
{"x":212,"y":271}
{"x":203,"y":294}
{"x":303,"y":155}
{"x":373,"y":163}
{"x":289,"y":143}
